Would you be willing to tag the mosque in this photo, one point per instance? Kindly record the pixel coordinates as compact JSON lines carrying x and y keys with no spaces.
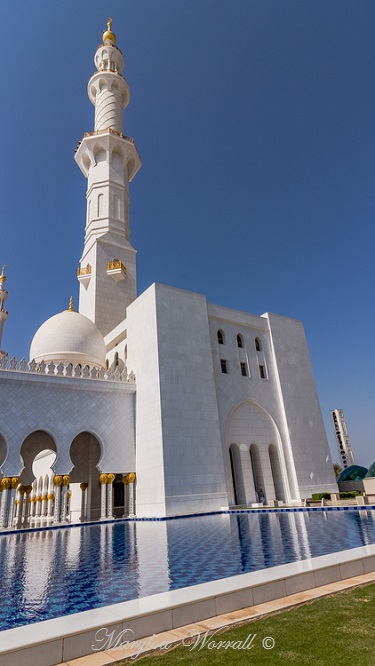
{"x":152,"y":405}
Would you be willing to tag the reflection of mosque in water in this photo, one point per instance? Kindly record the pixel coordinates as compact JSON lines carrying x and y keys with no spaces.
{"x":109,"y":563}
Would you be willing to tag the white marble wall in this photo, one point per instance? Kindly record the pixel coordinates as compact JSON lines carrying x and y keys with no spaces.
{"x":308,"y":440}
{"x":287,"y":395}
{"x":143,"y":358}
{"x":65,"y":407}
{"x":179,"y":455}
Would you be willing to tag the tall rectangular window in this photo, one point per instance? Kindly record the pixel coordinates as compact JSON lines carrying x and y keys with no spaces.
{"x":262,"y":372}
{"x":224,"y":367}
{"x":243,"y":369}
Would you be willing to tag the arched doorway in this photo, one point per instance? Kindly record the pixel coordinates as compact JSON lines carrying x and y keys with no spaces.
{"x":85,"y":453}
{"x":252,"y":429}
{"x":38,"y":452}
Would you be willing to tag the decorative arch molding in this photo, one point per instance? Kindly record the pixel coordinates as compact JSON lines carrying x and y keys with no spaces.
{"x":241,"y":434}
{"x":34,"y":443}
{"x":85,"y":451}
{"x":76,"y":433}
{"x":3,"y":450}
{"x":261,"y":408}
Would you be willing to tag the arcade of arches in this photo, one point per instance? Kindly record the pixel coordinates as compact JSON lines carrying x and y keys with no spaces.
{"x":39,"y":497}
{"x":254,"y":456}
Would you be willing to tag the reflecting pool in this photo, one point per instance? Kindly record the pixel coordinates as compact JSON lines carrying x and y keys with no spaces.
{"x":51,"y":573}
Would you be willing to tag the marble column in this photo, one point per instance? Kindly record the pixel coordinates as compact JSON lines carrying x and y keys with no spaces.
{"x":64,"y":499}
{"x":27,"y":505}
{"x":50,"y":498}
{"x":44,"y":498}
{"x":33,"y":500}
{"x":12,"y":497}
{"x":103,"y":496}
{"x":6,"y":485}
{"x":110,"y":480}
{"x":19,"y":512}
{"x":83,"y":487}
{"x":132,"y":478}
{"x":57,"y":482}
{"x":126,"y":502}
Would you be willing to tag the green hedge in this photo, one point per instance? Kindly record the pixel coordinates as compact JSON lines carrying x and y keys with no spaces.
{"x":327,"y":496}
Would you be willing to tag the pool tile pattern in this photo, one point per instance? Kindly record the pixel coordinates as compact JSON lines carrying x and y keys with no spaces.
{"x":50,"y":573}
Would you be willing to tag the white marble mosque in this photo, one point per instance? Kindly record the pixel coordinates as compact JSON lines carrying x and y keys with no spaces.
{"x":152,"y":405}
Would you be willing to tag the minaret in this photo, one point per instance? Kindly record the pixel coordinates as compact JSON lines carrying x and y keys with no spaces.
{"x":3,"y":312}
{"x":109,"y":160}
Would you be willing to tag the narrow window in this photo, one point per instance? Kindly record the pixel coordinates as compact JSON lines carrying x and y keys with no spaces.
{"x":220,"y":337}
{"x":262,"y":372}
{"x":243,"y":369}
{"x":258,"y":345}
{"x":116,"y":360}
{"x":107,"y":364}
{"x":224,"y":368}
{"x":239,"y":341}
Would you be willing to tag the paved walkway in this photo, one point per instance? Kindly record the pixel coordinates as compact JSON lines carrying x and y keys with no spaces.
{"x":176,"y":636}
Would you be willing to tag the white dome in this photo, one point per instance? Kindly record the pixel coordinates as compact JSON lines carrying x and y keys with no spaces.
{"x":68,"y":337}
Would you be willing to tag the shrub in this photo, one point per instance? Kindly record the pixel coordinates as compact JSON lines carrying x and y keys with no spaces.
{"x":350,"y":494}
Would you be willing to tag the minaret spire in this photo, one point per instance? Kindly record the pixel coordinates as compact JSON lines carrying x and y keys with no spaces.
{"x":3,"y":312}
{"x":109,"y":160}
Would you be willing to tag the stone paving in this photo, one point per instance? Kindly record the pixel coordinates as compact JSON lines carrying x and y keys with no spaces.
{"x":176,"y":636}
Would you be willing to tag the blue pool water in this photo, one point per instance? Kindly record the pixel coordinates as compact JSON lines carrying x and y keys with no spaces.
{"x":51,"y":573}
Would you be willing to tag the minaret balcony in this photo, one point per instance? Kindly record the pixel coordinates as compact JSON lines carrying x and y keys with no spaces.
{"x":116,"y":270}
{"x":84,"y":274}
{"x":107,"y":140}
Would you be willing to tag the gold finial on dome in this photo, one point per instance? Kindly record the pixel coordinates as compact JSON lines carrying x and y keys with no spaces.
{"x":108,"y":34}
{"x":70,"y":308}
{"x":2,"y":276}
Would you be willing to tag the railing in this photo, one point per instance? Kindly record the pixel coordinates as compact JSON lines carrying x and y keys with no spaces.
{"x":115,"y":264}
{"x":78,"y":371}
{"x":84,"y":271}
{"x":109,"y":130}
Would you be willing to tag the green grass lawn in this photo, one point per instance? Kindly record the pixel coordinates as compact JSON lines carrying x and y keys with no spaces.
{"x":335,"y":631}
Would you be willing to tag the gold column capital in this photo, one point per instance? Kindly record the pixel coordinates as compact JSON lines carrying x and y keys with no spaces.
{"x":14,"y":482}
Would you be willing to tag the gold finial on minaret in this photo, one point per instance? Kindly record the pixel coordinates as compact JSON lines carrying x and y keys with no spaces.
{"x":70,"y":308}
{"x":2,"y":276}
{"x":108,"y":34}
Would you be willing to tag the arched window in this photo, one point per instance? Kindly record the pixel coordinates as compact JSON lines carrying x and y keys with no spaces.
{"x":116,"y":360}
{"x":220,"y":337}
{"x":107,"y":364}
{"x":239,"y":341}
{"x":258,"y":345}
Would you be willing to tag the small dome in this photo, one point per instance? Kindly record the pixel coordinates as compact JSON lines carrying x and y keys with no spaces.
{"x":371,"y":471}
{"x":68,"y":337}
{"x":108,"y":35}
{"x":352,"y":473}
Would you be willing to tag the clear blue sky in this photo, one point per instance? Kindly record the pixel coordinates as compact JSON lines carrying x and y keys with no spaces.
{"x":255,"y":121}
